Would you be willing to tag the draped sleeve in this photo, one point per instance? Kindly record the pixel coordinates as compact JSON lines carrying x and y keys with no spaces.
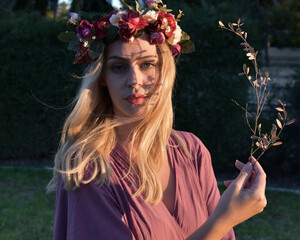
{"x":91,"y":212}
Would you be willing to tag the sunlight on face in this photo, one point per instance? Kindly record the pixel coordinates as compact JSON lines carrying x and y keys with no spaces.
{"x":131,"y":71}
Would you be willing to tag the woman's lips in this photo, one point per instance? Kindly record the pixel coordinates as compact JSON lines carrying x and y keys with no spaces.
{"x":135,"y":99}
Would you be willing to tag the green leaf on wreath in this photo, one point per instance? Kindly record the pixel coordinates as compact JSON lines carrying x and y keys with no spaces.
{"x":66,"y":36}
{"x":187,"y":46}
{"x":97,"y":47}
{"x":111,"y":33}
{"x":74,"y":45}
{"x":146,"y":10}
{"x":93,"y":55}
{"x":139,"y":33}
{"x":96,"y":16}
{"x":184,"y":36}
{"x":125,"y":5}
{"x":85,"y":15}
{"x":137,"y":6}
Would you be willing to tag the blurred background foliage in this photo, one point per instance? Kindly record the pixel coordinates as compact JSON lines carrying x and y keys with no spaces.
{"x":37,"y":83}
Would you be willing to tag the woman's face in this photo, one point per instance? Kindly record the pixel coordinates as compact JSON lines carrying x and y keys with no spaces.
{"x":131,"y":71}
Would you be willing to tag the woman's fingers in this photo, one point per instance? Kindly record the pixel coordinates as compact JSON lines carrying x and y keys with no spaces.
{"x":260,"y":177}
{"x":239,"y":165}
{"x":252,"y":179}
{"x":244,"y":175}
{"x":240,"y":202}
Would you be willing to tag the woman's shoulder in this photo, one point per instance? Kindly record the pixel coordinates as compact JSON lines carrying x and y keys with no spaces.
{"x":193,"y":143}
{"x":195,"y":147}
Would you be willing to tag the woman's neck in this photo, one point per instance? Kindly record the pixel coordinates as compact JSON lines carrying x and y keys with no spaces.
{"x":124,"y":135}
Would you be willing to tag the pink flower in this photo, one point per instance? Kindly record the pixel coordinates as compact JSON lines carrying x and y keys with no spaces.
{"x":130,"y":24}
{"x":176,"y":36}
{"x":82,"y":55}
{"x":100,"y":27}
{"x":157,"y":38}
{"x":175,"y":49}
{"x":150,"y":16}
{"x":84,"y":29}
{"x":150,"y":2}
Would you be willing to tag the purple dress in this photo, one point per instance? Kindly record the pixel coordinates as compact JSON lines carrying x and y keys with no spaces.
{"x":94,"y":212}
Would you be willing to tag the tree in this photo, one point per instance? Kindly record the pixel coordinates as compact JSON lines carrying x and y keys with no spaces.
{"x":91,"y":6}
{"x":53,"y":6}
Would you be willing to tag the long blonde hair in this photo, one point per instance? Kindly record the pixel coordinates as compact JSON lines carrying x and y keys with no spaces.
{"x":89,"y":133}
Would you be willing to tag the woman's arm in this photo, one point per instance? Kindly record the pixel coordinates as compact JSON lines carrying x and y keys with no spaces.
{"x":91,"y":212}
{"x":244,"y":198}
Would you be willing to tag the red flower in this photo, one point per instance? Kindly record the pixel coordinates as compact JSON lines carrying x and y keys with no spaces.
{"x":165,"y":23}
{"x":100,"y":27}
{"x":84,"y":29}
{"x":82,"y":55}
{"x":130,"y":24}
{"x":175,"y":49}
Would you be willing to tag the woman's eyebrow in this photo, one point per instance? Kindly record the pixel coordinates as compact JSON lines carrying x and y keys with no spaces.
{"x":138,"y":58}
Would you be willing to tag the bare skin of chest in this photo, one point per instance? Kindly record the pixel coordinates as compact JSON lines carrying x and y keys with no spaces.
{"x":167,"y":180}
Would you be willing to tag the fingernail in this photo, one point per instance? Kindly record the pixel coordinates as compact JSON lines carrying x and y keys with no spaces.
{"x":249,"y":164}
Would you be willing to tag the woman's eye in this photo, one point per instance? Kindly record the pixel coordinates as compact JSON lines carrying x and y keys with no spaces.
{"x":147,"y":65}
{"x":118,"y":68}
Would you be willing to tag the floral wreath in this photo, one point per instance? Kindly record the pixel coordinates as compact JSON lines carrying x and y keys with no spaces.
{"x":86,"y":35}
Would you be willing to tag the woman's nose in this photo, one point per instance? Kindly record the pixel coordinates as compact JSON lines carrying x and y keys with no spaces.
{"x":134,"y":78}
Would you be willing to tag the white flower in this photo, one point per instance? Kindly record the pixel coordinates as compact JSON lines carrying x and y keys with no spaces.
{"x":151,"y":16}
{"x":116,"y":18}
{"x":176,"y":36}
{"x":85,"y":43}
{"x":131,"y":39}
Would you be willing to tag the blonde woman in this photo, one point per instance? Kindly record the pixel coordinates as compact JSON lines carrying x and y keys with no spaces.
{"x":121,"y":171}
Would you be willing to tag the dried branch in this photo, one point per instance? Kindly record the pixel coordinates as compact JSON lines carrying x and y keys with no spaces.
{"x":259,"y":141}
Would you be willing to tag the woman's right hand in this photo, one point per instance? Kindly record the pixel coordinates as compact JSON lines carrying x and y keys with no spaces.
{"x":245,"y":196}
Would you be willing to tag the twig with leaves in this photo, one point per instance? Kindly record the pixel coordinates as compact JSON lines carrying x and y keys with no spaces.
{"x":259,"y":141}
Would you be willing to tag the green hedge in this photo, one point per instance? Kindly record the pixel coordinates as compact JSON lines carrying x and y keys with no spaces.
{"x":37,"y":68}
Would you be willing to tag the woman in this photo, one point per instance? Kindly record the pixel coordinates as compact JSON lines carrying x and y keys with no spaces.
{"x":121,"y":171}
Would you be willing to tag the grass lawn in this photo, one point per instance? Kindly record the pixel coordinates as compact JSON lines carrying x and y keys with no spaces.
{"x":26,"y":212}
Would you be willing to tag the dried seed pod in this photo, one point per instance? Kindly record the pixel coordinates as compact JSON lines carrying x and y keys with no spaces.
{"x":279,"y":124}
{"x":290,"y":122}
{"x":280,"y":116}
{"x":276,"y":144}
{"x":273,"y":131}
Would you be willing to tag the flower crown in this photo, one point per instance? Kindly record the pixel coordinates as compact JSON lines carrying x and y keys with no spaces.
{"x":87,"y":35}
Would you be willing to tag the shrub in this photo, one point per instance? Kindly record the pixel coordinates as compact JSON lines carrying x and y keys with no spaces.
{"x":35,"y":65}
{"x":38,"y":66}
